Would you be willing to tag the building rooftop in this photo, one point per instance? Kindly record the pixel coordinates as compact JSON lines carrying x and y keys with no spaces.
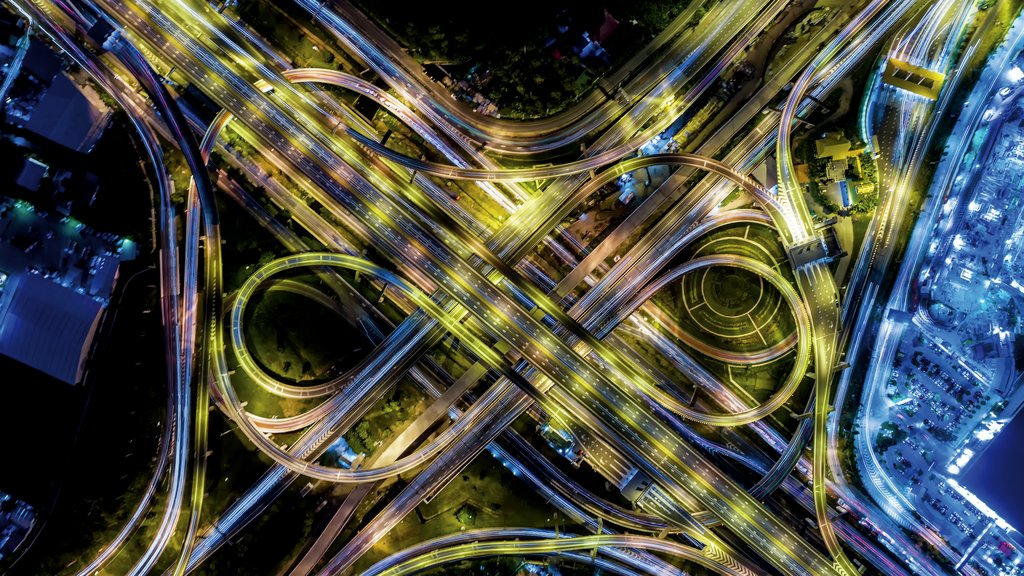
{"x":834,"y":145}
{"x":608,"y":26}
{"x":69,"y":115}
{"x":915,"y":79}
{"x":31,"y":174}
{"x":41,"y":61}
{"x":48,"y":327}
{"x":835,"y":170}
{"x":56,"y":275}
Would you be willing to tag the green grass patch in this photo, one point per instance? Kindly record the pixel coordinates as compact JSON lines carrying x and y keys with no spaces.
{"x":297,"y":340}
{"x":485,"y":495}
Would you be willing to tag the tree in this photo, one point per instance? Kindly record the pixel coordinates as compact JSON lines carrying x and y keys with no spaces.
{"x":889,"y":436}
{"x":868,"y":168}
{"x":866,"y":202}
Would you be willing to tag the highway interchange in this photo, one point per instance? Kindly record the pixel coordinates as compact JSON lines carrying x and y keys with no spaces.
{"x":551,"y":350}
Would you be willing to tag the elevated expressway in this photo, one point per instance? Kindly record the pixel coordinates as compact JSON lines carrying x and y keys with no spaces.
{"x":178,"y":305}
{"x":310,"y":75}
{"x":794,"y":449}
{"x":656,"y":247}
{"x":582,"y":192}
{"x":816,"y":283}
{"x":520,"y":233}
{"x":815,"y":280}
{"x":528,"y":541}
{"x":177,"y":298}
{"x":395,"y":106}
{"x":337,"y":78}
{"x":314,"y":259}
{"x":903,"y":143}
{"x":304,"y":75}
{"x":618,"y":514}
{"x":650,"y":85}
{"x":546,"y":365}
{"x":625,"y":127}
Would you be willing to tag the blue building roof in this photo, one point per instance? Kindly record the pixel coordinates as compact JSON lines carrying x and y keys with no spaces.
{"x":66,"y":116}
{"x":48,"y":326}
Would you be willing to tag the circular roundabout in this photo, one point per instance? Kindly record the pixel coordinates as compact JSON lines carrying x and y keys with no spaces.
{"x":723,"y":312}
{"x":787,"y":293}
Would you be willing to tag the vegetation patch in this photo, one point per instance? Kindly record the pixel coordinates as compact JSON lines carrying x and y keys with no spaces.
{"x":539,"y":59}
{"x":297,"y":340}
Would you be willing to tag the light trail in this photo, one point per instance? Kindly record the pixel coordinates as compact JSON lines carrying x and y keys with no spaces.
{"x":437,"y":263}
{"x":486,"y":542}
{"x":168,"y":289}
